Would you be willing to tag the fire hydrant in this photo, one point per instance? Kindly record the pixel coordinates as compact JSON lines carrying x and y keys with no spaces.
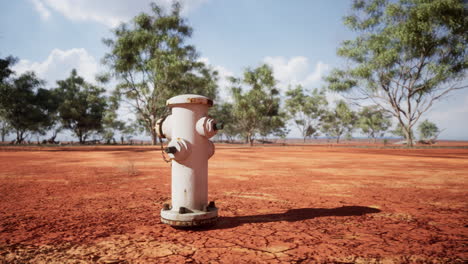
{"x":189,"y":128}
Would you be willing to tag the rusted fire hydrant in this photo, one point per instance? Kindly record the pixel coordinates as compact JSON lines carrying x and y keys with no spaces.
{"x":189,"y":128}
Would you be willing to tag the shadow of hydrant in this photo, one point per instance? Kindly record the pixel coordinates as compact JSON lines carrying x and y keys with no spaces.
{"x":294,"y":215}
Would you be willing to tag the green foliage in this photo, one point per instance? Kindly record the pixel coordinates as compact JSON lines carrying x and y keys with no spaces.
{"x":82,"y":106}
{"x":407,"y":55}
{"x":257,"y":111}
{"x":223,"y":113}
{"x":306,"y":110}
{"x":128,"y":131}
{"x":110,"y":121}
{"x":428,"y":131}
{"x":374,"y":122}
{"x":26,"y":106}
{"x":5,"y":68}
{"x":338,"y":121}
{"x":152,"y":62}
{"x":5,"y":73}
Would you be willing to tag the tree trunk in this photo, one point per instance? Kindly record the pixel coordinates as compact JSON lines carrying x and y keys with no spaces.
{"x":409,"y":137}
{"x":154,"y":137}
{"x":304,"y":139}
{"x":250,"y":138}
{"x":337,"y":139}
{"x":79,"y":134}
{"x":20,"y":137}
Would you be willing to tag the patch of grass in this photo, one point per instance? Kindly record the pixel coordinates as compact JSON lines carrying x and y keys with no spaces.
{"x":129,"y":168}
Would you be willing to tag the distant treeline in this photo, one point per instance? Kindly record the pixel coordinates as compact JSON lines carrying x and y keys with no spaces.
{"x":406,"y":56}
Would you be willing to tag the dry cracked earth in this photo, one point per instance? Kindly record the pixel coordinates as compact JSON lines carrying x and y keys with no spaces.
{"x":279,"y":204}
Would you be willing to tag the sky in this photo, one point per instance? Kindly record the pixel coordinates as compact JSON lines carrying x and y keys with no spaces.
{"x":298,"y":39}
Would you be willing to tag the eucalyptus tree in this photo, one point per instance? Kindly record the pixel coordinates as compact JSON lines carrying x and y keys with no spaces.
{"x":26,"y":105}
{"x":5,"y":68}
{"x":399,"y":131}
{"x":224,"y":113}
{"x":338,"y":121}
{"x":5,"y":128}
{"x":152,"y":62}
{"x":428,"y":131}
{"x":305,"y":110}
{"x":407,"y":55}
{"x":257,"y":109}
{"x":374,"y":122}
{"x":82,"y":106}
{"x":5,"y":73}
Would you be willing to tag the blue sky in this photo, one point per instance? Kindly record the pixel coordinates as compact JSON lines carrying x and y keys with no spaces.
{"x":297,"y":38}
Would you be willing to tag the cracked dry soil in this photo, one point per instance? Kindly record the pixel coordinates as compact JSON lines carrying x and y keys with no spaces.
{"x":297,"y":204}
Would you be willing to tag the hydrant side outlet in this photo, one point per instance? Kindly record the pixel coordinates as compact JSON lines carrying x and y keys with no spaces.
{"x":189,"y":128}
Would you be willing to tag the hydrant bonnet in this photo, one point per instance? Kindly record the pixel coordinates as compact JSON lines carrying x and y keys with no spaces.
{"x":189,"y":99}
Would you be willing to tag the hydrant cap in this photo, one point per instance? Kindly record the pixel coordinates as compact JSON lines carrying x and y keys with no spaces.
{"x":189,"y":99}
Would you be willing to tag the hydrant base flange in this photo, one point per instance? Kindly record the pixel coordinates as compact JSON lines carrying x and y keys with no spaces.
{"x":195,"y":218}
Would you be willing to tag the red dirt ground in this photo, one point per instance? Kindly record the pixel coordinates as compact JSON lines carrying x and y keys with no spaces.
{"x":301,"y":204}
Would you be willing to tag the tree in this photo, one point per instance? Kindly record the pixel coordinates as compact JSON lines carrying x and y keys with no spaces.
{"x":129,"y":129}
{"x":152,"y":62}
{"x":5,"y":128}
{"x":338,"y":121}
{"x":274,"y":124}
{"x":51,"y":99}
{"x":110,"y":121}
{"x":257,"y":110}
{"x":428,"y":131}
{"x":223,"y":113}
{"x":374,"y":122}
{"x":83,"y":106}
{"x":306,"y":110}
{"x":5,"y":73}
{"x":408,"y":54}
{"x":399,"y":131}
{"x":26,"y":106}
{"x":5,"y":68}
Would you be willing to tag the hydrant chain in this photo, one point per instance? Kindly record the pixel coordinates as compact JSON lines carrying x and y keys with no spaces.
{"x":163,"y":152}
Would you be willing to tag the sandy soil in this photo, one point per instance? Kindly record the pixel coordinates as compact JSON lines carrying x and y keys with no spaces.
{"x":301,"y":204}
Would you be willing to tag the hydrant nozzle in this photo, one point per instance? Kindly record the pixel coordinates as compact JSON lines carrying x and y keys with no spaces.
{"x":170,"y":150}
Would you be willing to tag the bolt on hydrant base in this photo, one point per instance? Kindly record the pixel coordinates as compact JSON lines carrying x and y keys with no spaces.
{"x":189,"y":128}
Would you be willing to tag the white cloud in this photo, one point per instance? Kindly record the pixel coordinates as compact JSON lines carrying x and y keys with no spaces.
{"x":296,"y":70}
{"x":41,"y":9}
{"x":223,"y":81}
{"x":109,"y":12}
{"x":58,"y":65}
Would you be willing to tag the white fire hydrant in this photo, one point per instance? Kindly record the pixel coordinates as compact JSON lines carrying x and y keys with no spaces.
{"x":188,"y":128}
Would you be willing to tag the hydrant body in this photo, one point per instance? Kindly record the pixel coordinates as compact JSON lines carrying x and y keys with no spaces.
{"x":189,"y":128}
